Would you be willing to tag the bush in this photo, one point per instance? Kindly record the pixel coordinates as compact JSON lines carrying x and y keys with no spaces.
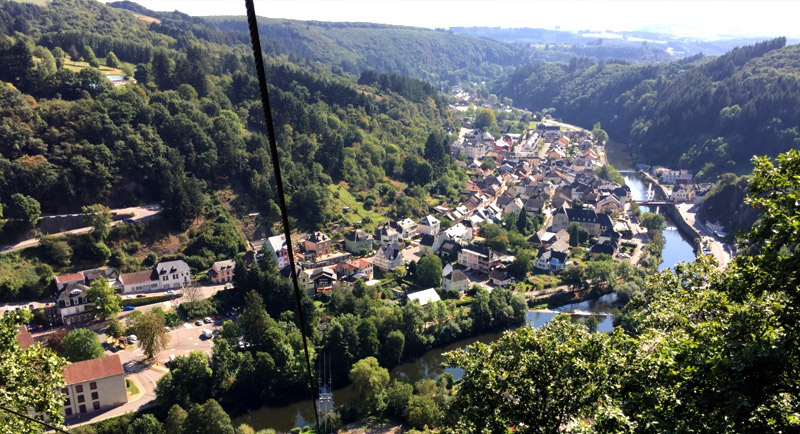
{"x":198,"y":309}
{"x":295,"y":430}
{"x":145,"y":300}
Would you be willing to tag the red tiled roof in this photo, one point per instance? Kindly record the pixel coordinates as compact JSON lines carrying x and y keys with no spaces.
{"x":94,"y":369}
{"x":24,"y":338}
{"x":69,"y":277}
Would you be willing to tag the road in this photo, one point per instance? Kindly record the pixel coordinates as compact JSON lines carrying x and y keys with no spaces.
{"x":689,"y":213}
{"x":139,"y":213}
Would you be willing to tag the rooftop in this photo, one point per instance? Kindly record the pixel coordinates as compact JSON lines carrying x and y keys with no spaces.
{"x":94,"y":369}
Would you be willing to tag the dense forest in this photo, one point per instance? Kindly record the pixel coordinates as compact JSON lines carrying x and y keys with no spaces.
{"x":193,"y":124}
{"x":710,"y":114}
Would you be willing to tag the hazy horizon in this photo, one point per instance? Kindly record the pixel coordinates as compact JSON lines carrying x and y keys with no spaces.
{"x":732,"y":19}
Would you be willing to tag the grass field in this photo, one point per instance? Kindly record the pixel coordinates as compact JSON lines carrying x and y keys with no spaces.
{"x":77,"y":66}
{"x":342,"y":199}
{"x":132,"y":389}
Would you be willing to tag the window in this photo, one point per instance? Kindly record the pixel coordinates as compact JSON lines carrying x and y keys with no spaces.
{"x":79,"y":388}
{"x":93,"y":385}
{"x":67,"y":402}
{"x":174,"y":276}
{"x":96,"y":405}
{"x":94,"y":395}
{"x":81,"y":398}
{"x":82,"y":408}
{"x":65,"y":391}
{"x":68,"y":411}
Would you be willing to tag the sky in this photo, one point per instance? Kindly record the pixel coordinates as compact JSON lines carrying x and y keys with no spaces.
{"x":702,"y":19}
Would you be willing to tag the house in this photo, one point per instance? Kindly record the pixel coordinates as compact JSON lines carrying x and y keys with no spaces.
{"x":317,"y":244}
{"x":676,"y":177}
{"x":389,"y":257}
{"x":73,"y":306}
{"x":426,"y":244}
{"x":109,"y":274}
{"x":280,"y":251}
{"x":549,"y":260}
{"x":323,"y":279}
{"x":609,"y":203}
{"x":24,"y":337}
{"x":357,"y":241}
{"x":387,"y":235}
{"x":587,"y":218}
{"x":475,"y":258}
{"x":683,"y":193}
{"x":424,"y":297}
{"x":459,"y":233}
{"x":354,"y":269}
{"x":140,"y":281}
{"x":429,"y":225}
{"x":449,"y":251}
{"x":222,"y":271}
{"x":500,"y":277}
{"x":93,"y":385}
{"x":556,"y":154}
{"x":607,"y":246}
{"x":406,"y":228}
{"x":65,"y":279}
{"x":173,"y":274}
{"x":535,"y":205}
{"x":455,"y":279}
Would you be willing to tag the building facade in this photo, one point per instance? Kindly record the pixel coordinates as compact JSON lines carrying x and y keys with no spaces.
{"x":93,"y":385}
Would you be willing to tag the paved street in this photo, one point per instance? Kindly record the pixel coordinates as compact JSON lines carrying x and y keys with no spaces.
{"x":689,"y":213}
{"x":139,"y":213}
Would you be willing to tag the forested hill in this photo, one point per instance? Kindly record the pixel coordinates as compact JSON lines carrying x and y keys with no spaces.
{"x":711,"y":114}
{"x":192,"y":125}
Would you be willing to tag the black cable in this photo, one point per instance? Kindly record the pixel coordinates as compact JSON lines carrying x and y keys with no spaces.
{"x":47,"y":425}
{"x":273,"y":147}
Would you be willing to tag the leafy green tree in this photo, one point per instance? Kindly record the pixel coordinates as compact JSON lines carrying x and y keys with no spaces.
{"x":106,"y":301}
{"x":435,"y":150}
{"x":25,"y":211}
{"x":652,"y":221}
{"x":599,"y":134}
{"x":368,"y":342}
{"x":111,"y":60}
{"x":255,"y":320}
{"x":369,"y":384}
{"x":89,"y":57}
{"x":524,"y":223}
{"x":223,"y":367}
{"x":230,"y":331}
{"x":99,"y":218}
{"x":176,"y":416}
{"x":145,"y":424}
{"x":31,"y":378}
{"x":398,"y":394}
{"x":82,"y":344}
{"x":59,"y":55}
{"x":209,"y":418}
{"x":429,"y":271}
{"x":392,"y":348}
{"x":58,"y":249}
{"x":152,"y":336}
{"x":577,"y":234}
{"x":114,"y":328}
{"x":423,"y":412}
{"x":521,"y":265}
{"x":487,"y":121}
{"x":187,"y":382}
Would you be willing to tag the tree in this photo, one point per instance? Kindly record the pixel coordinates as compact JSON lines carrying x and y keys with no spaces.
{"x":429,"y":271}
{"x":223,"y":367}
{"x":57,"y":249}
{"x":98,"y":217}
{"x":82,"y":344}
{"x":486,"y":121}
{"x":398,"y":394}
{"x":392,"y":348}
{"x":254,"y":320}
{"x":369,"y":384}
{"x":175,"y":418}
{"x":230,"y":331}
{"x":106,"y":301}
{"x":599,"y":134}
{"x":152,"y":336}
{"x":524,"y":223}
{"x":193,"y":294}
{"x":423,"y":412}
{"x":111,"y":60}
{"x":89,"y":57}
{"x":435,"y":151}
{"x":368,"y":342}
{"x":652,"y":221}
{"x":59,"y":55}
{"x":188,"y":380}
{"x":521,"y":265}
{"x":31,"y":378}
{"x":114,"y":328}
{"x":209,"y":418}
{"x":577,"y":234}
{"x":25,"y":211}
{"x":145,"y":424}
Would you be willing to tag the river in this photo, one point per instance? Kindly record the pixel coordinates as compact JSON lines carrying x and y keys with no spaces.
{"x":427,"y":366}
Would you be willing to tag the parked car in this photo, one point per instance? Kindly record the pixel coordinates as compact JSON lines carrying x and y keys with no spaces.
{"x":198,"y":323}
{"x":140,"y":296}
{"x":167,"y":329}
{"x":132,"y":339}
{"x":30,"y":306}
{"x":208,"y":334}
{"x":170,"y":292}
{"x":207,"y":320}
{"x":128,"y":308}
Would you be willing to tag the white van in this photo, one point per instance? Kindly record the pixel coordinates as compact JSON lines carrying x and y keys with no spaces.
{"x":208,"y":334}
